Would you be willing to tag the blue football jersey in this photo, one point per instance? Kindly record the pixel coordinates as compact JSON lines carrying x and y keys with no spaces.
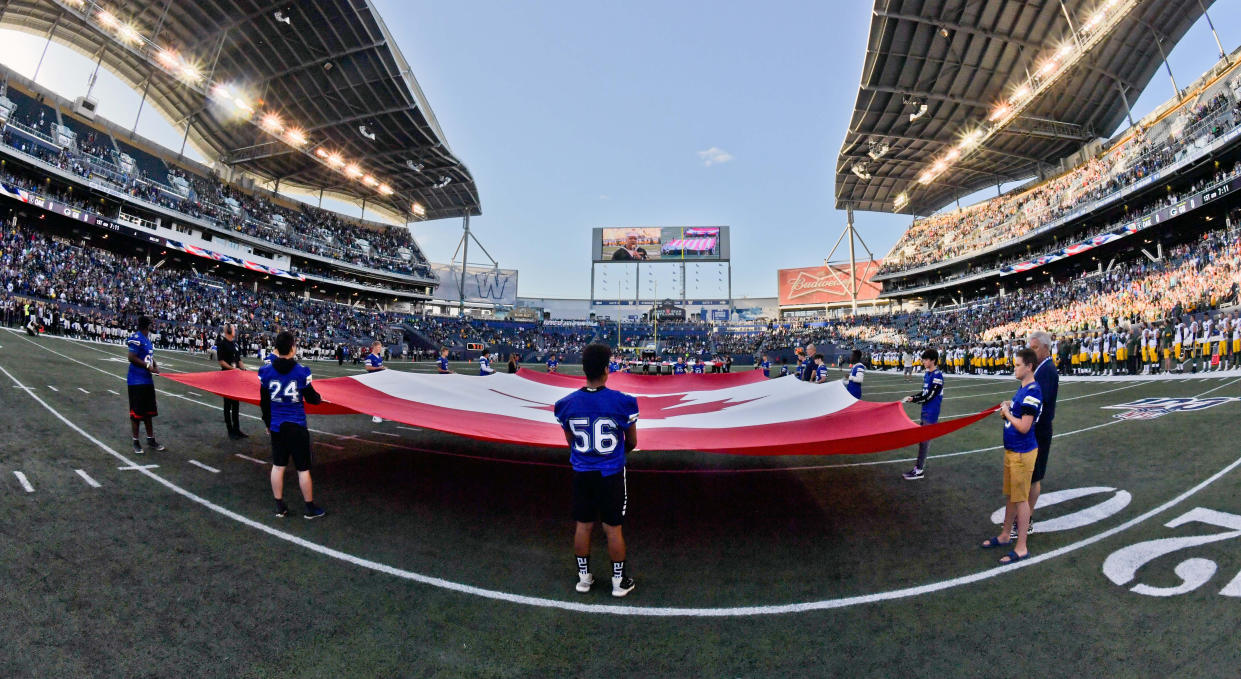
{"x":613,"y":366}
{"x":820,"y":372}
{"x":855,"y":388}
{"x":699,"y":368}
{"x":285,"y":391}
{"x":678,"y":368}
{"x":1027,"y":401}
{"x":552,"y":364}
{"x":484,"y":366}
{"x":766,"y":366}
{"x":932,"y":381}
{"x":139,"y":346}
{"x":374,"y":361}
{"x":597,"y":419}
{"x":443,"y":362}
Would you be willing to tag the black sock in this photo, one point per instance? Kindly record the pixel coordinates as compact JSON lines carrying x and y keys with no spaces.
{"x":618,"y":569}
{"x":583,"y":564}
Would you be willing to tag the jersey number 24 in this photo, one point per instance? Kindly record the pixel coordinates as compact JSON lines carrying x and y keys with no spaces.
{"x":290,"y":391}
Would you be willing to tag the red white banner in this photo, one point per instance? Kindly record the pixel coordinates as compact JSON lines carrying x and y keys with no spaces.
{"x":826,"y":285}
{"x":739,"y":413}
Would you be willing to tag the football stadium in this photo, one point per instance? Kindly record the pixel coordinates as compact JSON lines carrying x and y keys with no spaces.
{"x":984,"y":423}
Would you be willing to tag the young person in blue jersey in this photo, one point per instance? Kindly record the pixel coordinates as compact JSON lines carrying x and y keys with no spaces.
{"x":553,"y":366}
{"x":141,"y":384}
{"x":853,"y":381}
{"x":601,"y":427}
{"x":613,"y":365}
{"x":442,"y":362}
{"x":1048,"y":380}
{"x":820,"y":369}
{"x":284,"y":389}
{"x":1020,"y":454}
{"x":931,"y":396}
{"x":484,"y":366}
{"x":375,"y":360}
{"x":765,"y":366}
{"x":784,"y":368}
{"x":699,"y":367}
{"x":678,"y":368}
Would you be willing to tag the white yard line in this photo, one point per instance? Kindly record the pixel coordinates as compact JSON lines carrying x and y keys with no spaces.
{"x":200,"y":465}
{"x":86,"y":477}
{"x":83,"y":390}
{"x":52,"y":388}
{"x":255,"y":460}
{"x":21,"y":478}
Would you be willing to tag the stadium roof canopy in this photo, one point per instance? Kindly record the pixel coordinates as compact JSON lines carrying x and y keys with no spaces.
{"x":330,"y":66}
{"x":960,"y":58}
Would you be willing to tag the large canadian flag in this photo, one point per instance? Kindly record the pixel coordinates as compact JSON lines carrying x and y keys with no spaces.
{"x":741,"y":413}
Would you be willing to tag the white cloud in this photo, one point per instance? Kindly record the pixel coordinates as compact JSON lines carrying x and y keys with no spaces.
{"x":714,"y":156}
{"x":604,"y":196}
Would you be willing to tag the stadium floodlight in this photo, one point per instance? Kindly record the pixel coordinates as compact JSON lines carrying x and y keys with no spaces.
{"x":1022,"y":92}
{"x":952,"y":155}
{"x":901,"y":200}
{"x":999,"y":111}
{"x":295,"y":136}
{"x":1047,"y":68}
{"x":76,"y":3}
{"x":416,"y":167}
{"x":445,"y":180}
{"x":353,"y":171}
{"x":221,"y":92}
{"x":918,"y":114}
{"x":272,"y":123}
{"x":385,"y":189}
{"x":859,"y":169}
{"x":321,"y":152}
{"x":130,"y":34}
{"x":191,"y":73}
{"x":939,"y":166}
{"x":877,"y":149}
{"x":925,"y":177}
{"x":335,"y":160}
{"x":418,"y":209}
{"x":168,"y":59}
{"x":370,"y":181}
{"x":108,"y":20}
{"x":243,"y":105}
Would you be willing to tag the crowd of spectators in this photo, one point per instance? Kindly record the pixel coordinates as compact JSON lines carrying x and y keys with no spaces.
{"x":1005,"y":218}
{"x":305,"y":228}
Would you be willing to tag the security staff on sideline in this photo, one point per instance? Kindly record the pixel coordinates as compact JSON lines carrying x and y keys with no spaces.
{"x":230,"y":359}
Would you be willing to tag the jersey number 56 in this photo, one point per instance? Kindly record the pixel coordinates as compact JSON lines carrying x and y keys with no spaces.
{"x":600,"y":437}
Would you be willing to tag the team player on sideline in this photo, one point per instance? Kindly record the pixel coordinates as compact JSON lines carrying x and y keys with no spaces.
{"x":442,"y":362}
{"x":765,"y":366}
{"x":553,"y":366}
{"x":284,"y":388}
{"x":931,"y":396}
{"x":484,"y":366}
{"x":375,"y":360}
{"x":1020,"y":451}
{"x":699,"y":367}
{"x":820,"y":369}
{"x":601,"y":427}
{"x":141,"y":385}
{"x":853,"y":382}
{"x":1048,"y":380}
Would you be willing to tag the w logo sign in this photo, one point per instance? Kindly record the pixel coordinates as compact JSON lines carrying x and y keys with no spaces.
{"x":492,"y":284}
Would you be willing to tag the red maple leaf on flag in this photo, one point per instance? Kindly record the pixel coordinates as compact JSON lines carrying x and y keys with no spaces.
{"x":657,"y":407}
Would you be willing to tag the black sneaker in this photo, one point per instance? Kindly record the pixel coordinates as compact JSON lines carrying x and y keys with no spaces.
{"x":621,"y":586}
{"x":138,"y":448}
{"x":241,"y":434}
{"x":313,"y":511}
{"x":282,"y":510}
{"x":156,"y":445}
{"x":913,"y":474}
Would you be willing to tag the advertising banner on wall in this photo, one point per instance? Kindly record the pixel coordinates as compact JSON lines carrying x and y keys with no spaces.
{"x":826,"y":285}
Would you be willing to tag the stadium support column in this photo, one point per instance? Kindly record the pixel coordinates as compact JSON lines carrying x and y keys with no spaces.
{"x":1166,"y":65}
{"x":1125,"y":99}
{"x":1222,"y":54}
{"x":465,"y":258}
{"x":853,"y":260}
{"x":50,"y":33}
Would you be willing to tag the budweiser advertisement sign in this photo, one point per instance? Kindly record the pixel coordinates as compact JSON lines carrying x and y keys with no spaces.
{"x":826,"y":285}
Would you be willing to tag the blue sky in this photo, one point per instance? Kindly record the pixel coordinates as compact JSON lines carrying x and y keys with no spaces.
{"x":575,"y":115}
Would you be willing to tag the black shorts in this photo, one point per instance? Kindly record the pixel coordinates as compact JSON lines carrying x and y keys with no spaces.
{"x":142,"y":401}
{"x":293,"y":440}
{"x":1043,"y":436}
{"x":598,"y":497}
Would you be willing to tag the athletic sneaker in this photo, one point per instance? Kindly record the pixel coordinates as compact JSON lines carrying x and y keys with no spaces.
{"x":138,"y":448}
{"x":151,"y":442}
{"x":913,"y":474}
{"x":1012,"y":532}
{"x":282,"y":510}
{"x":621,"y":586}
{"x":313,"y":511}
{"x":584,"y":581}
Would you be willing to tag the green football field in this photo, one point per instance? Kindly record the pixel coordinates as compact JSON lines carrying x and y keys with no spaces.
{"x":446,"y":557}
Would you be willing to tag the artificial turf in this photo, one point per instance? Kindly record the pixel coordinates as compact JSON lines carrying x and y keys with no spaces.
{"x":134,"y":579}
